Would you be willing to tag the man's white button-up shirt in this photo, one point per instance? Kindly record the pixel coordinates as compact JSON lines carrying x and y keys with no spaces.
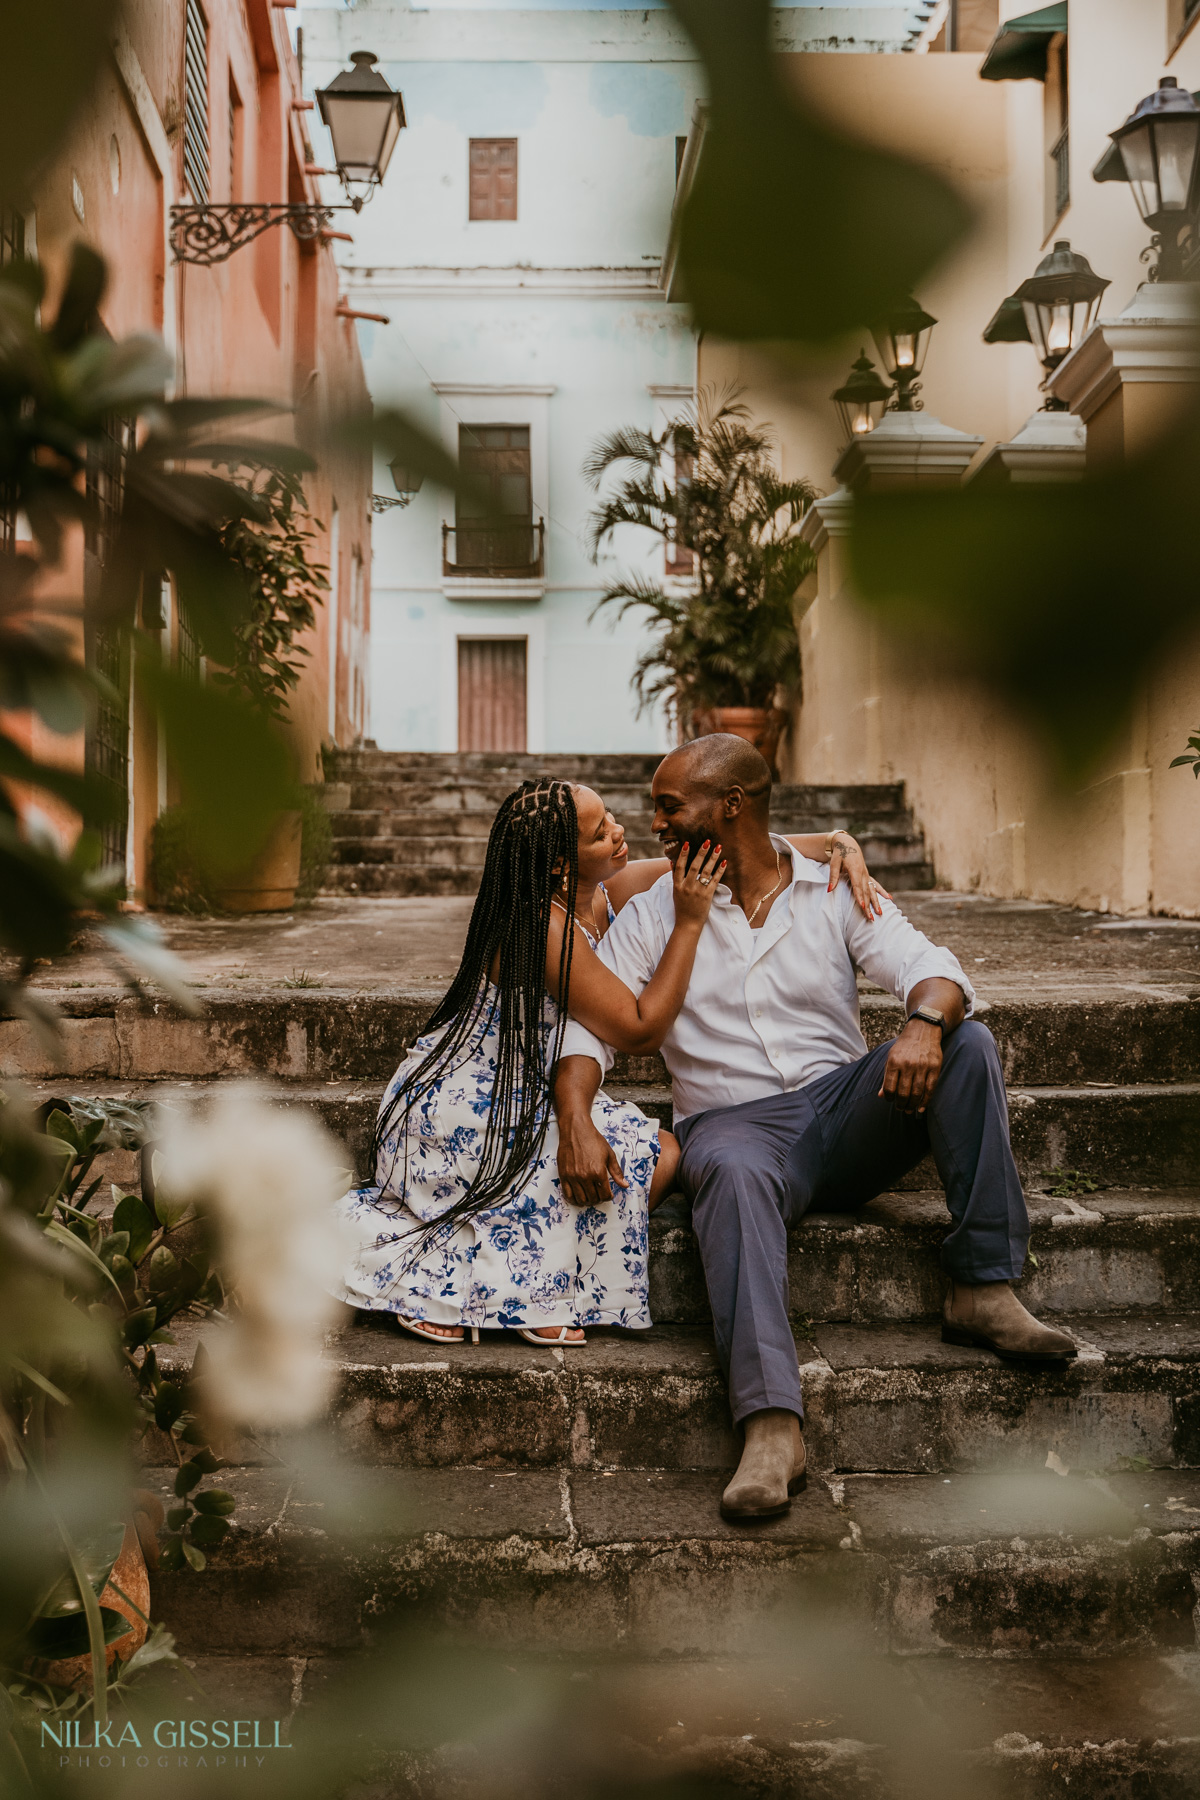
{"x":767,"y":1011}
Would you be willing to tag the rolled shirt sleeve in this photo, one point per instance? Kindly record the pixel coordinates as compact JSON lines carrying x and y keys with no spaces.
{"x":894,"y":954}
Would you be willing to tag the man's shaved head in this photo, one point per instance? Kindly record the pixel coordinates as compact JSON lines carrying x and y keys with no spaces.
{"x":719,"y":762}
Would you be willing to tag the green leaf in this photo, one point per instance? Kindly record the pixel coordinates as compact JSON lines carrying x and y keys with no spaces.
{"x":209,"y":1531}
{"x":69,"y":1241}
{"x":188,"y":1476}
{"x":792,"y":231}
{"x":79,"y":307}
{"x":115,"y":1244}
{"x":178,"y":1517}
{"x":132,"y":1216}
{"x":164,"y":1271}
{"x":216,"y":1501}
{"x":235,"y":770}
{"x":170,"y":1554}
{"x":53,"y":1640}
{"x":168,"y":1404}
{"x":195,"y":1557}
{"x":138,"y":1326}
{"x":59,"y":1125}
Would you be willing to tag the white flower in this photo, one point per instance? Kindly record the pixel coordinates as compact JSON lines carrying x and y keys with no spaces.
{"x":267,"y":1176}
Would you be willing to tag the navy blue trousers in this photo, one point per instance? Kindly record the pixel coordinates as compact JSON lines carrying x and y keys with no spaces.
{"x":753,"y":1170}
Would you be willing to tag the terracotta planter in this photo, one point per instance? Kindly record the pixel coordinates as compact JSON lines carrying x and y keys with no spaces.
{"x":761,"y":726}
{"x":129,"y":1573}
{"x":269,"y":883}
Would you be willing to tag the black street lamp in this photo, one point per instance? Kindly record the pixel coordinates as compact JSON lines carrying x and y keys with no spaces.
{"x":407,"y":483}
{"x":1157,"y":151}
{"x":364,"y":117}
{"x":902,"y":340}
{"x":861,"y":400}
{"x":1054,"y":310}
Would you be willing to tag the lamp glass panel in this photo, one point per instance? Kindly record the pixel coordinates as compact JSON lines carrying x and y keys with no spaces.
{"x":358,"y":125}
{"x":858,"y":417}
{"x":1177,"y":143}
{"x":903,"y":352}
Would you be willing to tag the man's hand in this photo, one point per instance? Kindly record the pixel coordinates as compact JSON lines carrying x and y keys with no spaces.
{"x":587,"y":1162}
{"x":913,"y":1066}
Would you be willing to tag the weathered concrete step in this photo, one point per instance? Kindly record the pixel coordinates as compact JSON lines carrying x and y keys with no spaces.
{"x":1111,"y":1252}
{"x":1135,"y":1136}
{"x":805,"y":1721}
{"x":399,"y":880}
{"x":466,"y":845}
{"x":878,"y":1397}
{"x":1005,"y":1565}
{"x":396,"y":821}
{"x":366,"y":879}
{"x":1146,"y":1136}
{"x":341,"y":1034}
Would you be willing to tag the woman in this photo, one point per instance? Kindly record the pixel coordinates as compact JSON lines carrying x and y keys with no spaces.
{"x":466,"y":1223}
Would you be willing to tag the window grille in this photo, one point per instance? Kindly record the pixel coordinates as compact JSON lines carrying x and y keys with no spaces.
{"x":1060,"y":156}
{"x":187,"y":645}
{"x":503,"y":540}
{"x":106,"y":740}
{"x":12,"y":249}
{"x":195,"y":102}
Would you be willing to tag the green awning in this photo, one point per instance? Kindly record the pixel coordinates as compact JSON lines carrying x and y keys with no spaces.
{"x":1021,"y":46}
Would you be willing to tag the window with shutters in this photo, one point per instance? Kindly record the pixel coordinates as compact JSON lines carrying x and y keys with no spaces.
{"x":680,"y":560}
{"x":195,"y":102}
{"x":235,"y":142}
{"x":493,"y":178}
{"x":495,"y":534}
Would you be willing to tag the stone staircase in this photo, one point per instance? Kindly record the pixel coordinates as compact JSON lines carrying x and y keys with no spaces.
{"x":415,"y":823}
{"x":1010,"y":1556}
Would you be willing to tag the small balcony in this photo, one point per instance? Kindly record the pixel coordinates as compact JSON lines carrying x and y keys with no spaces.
{"x":495,"y":552}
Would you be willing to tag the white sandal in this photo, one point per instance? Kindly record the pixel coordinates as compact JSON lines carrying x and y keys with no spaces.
{"x":535,"y":1337}
{"x":416,"y":1327}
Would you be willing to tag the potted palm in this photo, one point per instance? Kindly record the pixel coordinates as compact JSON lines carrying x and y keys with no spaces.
{"x":726,"y":657}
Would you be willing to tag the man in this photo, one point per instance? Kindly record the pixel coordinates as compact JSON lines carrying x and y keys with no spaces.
{"x":779,"y":1105}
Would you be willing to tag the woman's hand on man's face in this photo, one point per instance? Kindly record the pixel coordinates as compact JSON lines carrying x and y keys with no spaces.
{"x":695,"y":886}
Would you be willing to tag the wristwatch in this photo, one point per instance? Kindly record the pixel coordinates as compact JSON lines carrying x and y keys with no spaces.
{"x":931,"y":1016}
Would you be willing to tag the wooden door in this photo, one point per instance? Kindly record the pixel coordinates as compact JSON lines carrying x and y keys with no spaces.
{"x":491,"y":693}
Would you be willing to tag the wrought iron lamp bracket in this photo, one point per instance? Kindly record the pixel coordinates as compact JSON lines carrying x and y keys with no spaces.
{"x":904,"y":398}
{"x":381,"y":503}
{"x":211,"y":234}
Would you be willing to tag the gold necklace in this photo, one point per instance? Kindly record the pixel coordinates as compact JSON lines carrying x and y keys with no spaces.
{"x":590,"y":935}
{"x":778,"y":878}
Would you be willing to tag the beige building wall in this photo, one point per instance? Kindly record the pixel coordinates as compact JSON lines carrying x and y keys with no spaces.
{"x":1130,"y":840}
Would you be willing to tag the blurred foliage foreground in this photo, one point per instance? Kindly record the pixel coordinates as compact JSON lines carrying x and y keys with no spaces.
{"x":791,"y":236}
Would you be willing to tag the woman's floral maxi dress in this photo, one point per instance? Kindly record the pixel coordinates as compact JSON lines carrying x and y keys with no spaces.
{"x":533,"y":1259}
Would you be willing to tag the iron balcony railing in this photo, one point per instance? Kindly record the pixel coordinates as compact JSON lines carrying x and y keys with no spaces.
{"x":514,"y":552}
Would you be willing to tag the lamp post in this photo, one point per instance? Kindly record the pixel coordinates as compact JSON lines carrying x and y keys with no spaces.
{"x":365,"y":117}
{"x":1053,"y":310}
{"x":1157,"y":151}
{"x":902,"y":340}
{"x":861,"y":399}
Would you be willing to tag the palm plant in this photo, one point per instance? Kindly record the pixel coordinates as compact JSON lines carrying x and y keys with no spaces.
{"x":707,"y":486}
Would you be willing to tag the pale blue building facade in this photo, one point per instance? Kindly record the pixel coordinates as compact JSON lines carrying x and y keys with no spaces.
{"x":525,"y":332}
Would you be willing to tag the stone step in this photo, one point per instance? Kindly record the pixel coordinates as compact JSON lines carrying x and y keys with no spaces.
{"x":640,"y":1562}
{"x":804,"y":1721}
{"x":1127,"y":1252}
{"x":878,"y":1397}
{"x":397,"y":880}
{"x":1146,"y":1136}
{"x":333,"y":1033}
{"x":382,"y":821}
{"x":456,"y":850}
